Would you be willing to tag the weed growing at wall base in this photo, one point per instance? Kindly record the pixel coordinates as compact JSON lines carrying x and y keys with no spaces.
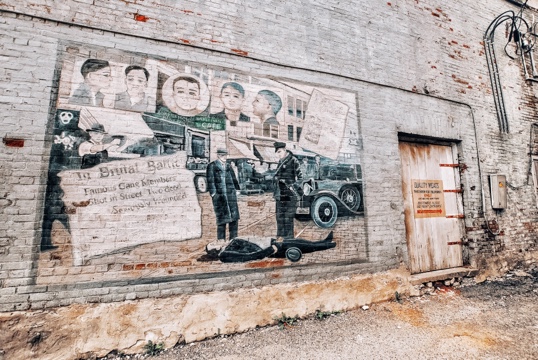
{"x":286,"y":321}
{"x":322,"y":315}
{"x":153,"y":348}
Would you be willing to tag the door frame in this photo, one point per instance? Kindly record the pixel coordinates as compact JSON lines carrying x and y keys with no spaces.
{"x":455,"y":146}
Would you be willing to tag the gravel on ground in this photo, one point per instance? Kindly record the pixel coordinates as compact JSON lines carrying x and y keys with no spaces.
{"x":497,"y":319}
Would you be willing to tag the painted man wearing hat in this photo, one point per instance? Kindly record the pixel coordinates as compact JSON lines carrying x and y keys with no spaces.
{"x":288,"y":172}
{"x":222,"y":186}
{"x":94,"y":151}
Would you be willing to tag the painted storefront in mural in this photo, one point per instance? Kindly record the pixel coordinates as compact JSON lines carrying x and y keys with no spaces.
{"x":181,"y":167}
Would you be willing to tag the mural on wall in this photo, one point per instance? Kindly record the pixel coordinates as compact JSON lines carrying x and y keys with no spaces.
{"x":150,"y":150}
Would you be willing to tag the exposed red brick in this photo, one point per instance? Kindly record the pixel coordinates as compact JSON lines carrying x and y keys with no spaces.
{"x":81,"y":203}
{"x":240,"y":52}
{"x":126,"y":267}
{"x":180,"y":263}
{"x":435,"y":14}
{"x":265,"y":263}
{"x":10,"y":142}
{"x":140,"y":266}
{"x":142,"y":18}
{"x":185,"y":41}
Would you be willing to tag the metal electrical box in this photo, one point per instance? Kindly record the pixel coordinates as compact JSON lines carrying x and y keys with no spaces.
{"x":497,"y":184}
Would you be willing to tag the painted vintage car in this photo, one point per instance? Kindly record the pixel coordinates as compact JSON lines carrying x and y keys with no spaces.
{"x":335,"y":193}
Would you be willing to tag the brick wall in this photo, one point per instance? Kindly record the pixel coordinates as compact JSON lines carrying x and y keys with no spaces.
{"x":414,"y":67}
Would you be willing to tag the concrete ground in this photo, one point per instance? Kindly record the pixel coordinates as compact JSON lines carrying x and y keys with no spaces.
{"x":496,"y":319}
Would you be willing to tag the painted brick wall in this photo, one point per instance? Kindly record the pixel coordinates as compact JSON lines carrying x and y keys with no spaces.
{"x":416,"y":67}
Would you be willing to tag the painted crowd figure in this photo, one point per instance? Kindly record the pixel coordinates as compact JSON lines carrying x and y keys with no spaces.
{"x":222,"y":186}
{"x":95,"y":151}
{"x":287,"y":173}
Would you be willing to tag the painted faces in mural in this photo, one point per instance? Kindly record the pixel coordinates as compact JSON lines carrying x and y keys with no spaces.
{"x":135,"y":98}
{"x":232,"y":96}
{"x":100,"y":78}
{"x":260,"y":106}
{"x":97,"y":76}
{"x":186,"y":92}
{"x":281,"y":153}
{"x":266,"y":105}
{"x":136,"y":81}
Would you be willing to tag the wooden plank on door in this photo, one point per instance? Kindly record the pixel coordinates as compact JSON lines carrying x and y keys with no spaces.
{"x":432,"y":216}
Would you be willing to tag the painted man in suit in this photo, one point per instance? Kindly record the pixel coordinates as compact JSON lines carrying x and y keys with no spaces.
{"x":288,"y":172}
{"x":222,"y":185}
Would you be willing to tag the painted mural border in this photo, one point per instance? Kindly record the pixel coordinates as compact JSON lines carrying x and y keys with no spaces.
{"x":62,"y":53}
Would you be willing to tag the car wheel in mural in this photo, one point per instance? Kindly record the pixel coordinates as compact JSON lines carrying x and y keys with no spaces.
{"x":334,"y":192}
{"x":324,"y":211}
{"x":351,"y":197}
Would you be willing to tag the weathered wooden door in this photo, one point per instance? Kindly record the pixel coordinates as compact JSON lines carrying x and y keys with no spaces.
{"x":433,"y":206}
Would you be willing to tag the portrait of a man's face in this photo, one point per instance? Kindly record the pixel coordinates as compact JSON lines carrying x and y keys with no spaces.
{"x":281,"y":153}
{"x":136,"y":82}
{"x":186,"y":94}
{"x":231,"y":98}
{"x":99,"y":79}
{"x":97,"y":137}
{"x":260,"y":106}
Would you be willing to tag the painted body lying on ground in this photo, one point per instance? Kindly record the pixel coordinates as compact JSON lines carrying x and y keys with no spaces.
{"x":132,"y":145}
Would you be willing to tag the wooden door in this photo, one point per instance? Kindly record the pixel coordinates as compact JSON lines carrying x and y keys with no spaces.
{"x":433,"y":206}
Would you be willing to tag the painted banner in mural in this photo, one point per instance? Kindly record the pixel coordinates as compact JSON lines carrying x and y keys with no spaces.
{"x":130,"y":202}
{"x":148,"y":151}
